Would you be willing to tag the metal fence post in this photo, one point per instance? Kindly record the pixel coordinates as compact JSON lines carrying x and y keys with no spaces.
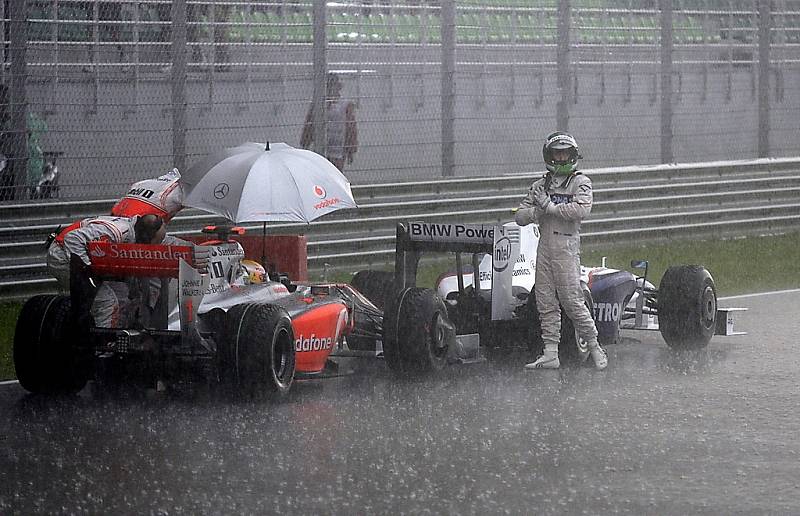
{"x":179,"y":52}
{"x":666,"y":81}
{"x":17,"y":145}
{"x":562,"y":61}
{"x":764,"y":26}
{"x":319,"y":115}
{"x":448,"y":20}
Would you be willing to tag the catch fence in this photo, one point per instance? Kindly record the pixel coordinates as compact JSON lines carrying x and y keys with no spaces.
{"x":113,"y":91}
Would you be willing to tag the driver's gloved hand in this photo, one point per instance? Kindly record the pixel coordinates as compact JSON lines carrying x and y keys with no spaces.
{"x":540,"y":198}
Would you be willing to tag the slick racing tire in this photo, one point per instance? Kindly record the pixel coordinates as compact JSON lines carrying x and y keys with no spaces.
{"x":417,"y":332}
{"x":374,"y":285}
{"x":257,"y":355}
{"x":46,"y":359}
{"x":687,"y":307}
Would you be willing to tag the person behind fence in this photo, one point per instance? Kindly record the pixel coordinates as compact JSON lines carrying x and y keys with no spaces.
{"x":162,"y":196}
{"x":342,"y":130}
{"x":558,"y":202}
{"x":6,"y":147}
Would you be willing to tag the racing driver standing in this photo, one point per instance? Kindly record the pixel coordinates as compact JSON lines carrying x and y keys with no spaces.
{"x":558,"y":202}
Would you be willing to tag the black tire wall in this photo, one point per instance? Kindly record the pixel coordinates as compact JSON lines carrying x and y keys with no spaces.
{"x":45,"y":357}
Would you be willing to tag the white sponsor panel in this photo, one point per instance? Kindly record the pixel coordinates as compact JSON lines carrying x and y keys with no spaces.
{"x":445,"y":232}
{"x":223,"y":266}
{"x":191,"y":289}
{"x":524,"y":270}
{"x":505,"y":252}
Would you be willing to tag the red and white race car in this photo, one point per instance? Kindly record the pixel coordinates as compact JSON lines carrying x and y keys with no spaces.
{"x":253,"y":338}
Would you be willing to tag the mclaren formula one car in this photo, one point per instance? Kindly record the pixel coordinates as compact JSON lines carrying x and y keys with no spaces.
{"x":252,"y":337}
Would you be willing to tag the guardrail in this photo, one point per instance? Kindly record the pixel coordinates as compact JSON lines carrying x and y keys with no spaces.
{"x":632,"y":204}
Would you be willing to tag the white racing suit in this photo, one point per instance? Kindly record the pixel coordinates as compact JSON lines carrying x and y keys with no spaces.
{"x":162,"y":196}
{"x":558,"y":255}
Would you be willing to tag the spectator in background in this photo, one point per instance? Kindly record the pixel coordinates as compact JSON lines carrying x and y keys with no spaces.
{"x":6,"y":147}
{"x":162,"y":196}
{"x":36,"y":162}
{"x":341,"y":126}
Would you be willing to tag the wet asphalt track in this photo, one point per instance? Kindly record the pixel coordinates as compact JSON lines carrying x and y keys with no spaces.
{"x":711,"y":432}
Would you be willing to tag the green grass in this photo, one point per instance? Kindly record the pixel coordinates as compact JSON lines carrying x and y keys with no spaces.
{"x":740,"y":266}
{"x":8,"y":319}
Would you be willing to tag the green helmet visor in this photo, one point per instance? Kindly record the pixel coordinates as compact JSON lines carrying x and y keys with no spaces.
{"x":563,"y":169}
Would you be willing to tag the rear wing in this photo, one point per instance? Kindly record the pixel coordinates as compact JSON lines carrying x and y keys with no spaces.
{"x":138,"y":260}
{"x":414,"y":238}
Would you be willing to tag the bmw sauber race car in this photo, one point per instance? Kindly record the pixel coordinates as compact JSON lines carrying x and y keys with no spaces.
{"x":251,"y":336}
{"x":424,"y":329}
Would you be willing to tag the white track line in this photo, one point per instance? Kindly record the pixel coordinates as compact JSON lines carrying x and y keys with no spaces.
{"x":758,"y":294}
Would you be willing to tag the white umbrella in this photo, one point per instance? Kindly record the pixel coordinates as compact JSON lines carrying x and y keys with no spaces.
{"x":272,"y":182}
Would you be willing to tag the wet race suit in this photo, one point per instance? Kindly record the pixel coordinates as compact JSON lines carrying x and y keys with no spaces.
{"x":558,"y":254}
{"x":112,"y":296}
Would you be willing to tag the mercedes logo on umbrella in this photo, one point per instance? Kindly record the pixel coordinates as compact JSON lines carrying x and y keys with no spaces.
{"x":221,"y":190}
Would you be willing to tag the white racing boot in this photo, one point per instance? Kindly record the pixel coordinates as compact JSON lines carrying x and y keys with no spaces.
{"x":598,"y":355}
{"x":548,"y":359}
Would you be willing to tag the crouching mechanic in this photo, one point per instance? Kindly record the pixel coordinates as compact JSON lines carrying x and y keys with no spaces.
{"x":110,"y":308}
{"x":558,"y":202}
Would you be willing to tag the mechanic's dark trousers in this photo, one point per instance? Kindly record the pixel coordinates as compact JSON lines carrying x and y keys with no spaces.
{"x":558,"y":279}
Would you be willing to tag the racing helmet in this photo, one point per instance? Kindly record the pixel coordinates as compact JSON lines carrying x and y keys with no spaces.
{"x":561,"y":141}
{"x":253,"y":271}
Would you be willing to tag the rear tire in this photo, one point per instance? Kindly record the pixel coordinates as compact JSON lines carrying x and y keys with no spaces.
{"x":46,"y":359}
{"x":374,"y":285}
{"x":417,"y":332}
{"x":687,"y":307}
{"x":256,"y":353}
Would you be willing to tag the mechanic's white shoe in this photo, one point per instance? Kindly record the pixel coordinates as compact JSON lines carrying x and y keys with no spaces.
{"x":599,"y":356}
{"x":548,"y":360}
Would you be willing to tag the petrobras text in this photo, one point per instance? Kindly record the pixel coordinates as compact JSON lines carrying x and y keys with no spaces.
{"x":312,"y":343}
{"x":607,"y":312}
{"x":443,"y":232}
